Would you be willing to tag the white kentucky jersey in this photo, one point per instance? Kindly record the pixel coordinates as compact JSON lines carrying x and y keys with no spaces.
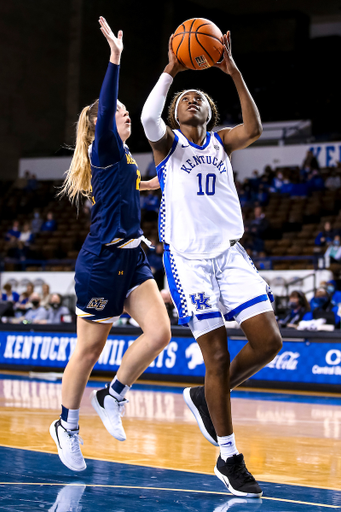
{"x":200,"y":210}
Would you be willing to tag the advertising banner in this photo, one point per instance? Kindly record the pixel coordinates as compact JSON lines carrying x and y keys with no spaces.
{"x":302,"y":361}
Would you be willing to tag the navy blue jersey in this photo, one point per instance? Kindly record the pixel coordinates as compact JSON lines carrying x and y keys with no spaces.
{"x":115,"y":179}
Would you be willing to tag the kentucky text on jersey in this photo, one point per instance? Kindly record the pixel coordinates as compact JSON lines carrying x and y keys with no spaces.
{"x":200,"y":160}
{"x":200,"y":210}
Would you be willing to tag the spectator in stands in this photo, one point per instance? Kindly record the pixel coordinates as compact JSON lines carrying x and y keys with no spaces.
{"x":45,"y":295}
{"x":258,"y":225}
{"x":37,"y":313}
{"x":36,"y":222}
{"x":310,"y":162}
{"x":255,"y":230}
{"x":326,"y":236}
{"x":32,"y":183}
{"x":333,"y":252}
{"x":13,"y":233}
{"x":331,"y":289}
{"x":255,"y":180}
{"x":323,"y":307}
{"x":262,"y":194}
{"x":333,"y":182}
{"x":277,"y":182}
{"x":263,"y":262}
{"x":21,"y":182}
{"x":22,"y":305}
{"x":25,"y":239}
{"x":29,"y":288}
{"x":57,"y":313}
{"x":9,"y":295}
{"x":298,"y":306}
{"x":171,"y":310}
{"x":268,"y":175}
{"x":315,"y":181}
{"x":50,"y":224}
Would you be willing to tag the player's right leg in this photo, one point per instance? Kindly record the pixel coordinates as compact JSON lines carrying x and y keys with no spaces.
{"x":142,"y":300}
{"x":230,"y":467}
{"x":91,"y":338}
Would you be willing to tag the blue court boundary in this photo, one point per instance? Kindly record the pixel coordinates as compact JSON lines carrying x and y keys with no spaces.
{"x":32,"y":480}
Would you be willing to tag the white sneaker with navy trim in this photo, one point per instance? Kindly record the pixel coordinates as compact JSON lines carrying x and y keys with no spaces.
{"x":110,"y":411}
{"x":68,"y":442}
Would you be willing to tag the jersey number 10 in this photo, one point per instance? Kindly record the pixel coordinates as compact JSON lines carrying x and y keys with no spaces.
{"x":209,"y":185}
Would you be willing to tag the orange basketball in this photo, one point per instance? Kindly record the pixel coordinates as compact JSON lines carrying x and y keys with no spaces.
{"x":197,"y":43}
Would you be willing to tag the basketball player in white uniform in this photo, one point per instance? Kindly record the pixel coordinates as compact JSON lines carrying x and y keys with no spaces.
{"x":210,"y":275}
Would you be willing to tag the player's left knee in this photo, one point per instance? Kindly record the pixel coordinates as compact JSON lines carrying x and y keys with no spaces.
{"x":160,"y":336}
{"x":273,"y":343}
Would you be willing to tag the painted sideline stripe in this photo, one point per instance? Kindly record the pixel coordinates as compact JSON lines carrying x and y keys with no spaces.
{"x":146,"y":465}
{"x":168,"y":489}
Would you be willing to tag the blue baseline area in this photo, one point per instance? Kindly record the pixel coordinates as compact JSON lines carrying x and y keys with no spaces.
{"x":243,"y":394}
{"x":38,"y":481}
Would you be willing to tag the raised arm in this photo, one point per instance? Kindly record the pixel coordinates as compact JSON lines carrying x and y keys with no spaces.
{"x":251,"y":129}
{"x":108,"y":146}
{"x":160,"y":135}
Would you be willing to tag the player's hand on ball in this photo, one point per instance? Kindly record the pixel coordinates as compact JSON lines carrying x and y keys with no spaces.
{"x":227,"y":64}
{"x":115,"y":43}
{"x":174,"y":65}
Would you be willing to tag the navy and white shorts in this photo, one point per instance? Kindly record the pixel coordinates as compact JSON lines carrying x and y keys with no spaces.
{"x":207,"y":292}
{"x":104,"y":282}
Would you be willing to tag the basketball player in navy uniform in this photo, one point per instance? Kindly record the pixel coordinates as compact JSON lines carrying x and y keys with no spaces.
{"x":210,"y":275}
{"x":112,"y":272}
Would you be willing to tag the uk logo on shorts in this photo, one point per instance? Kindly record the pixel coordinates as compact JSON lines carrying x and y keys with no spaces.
{"x":97,"y":303}
{"x":200,"y":301}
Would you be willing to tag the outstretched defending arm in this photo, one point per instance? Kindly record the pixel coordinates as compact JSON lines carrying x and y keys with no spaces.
{"x":108,"y":146}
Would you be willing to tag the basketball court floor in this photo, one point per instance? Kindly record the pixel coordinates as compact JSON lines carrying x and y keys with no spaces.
{"x":291,"y":443}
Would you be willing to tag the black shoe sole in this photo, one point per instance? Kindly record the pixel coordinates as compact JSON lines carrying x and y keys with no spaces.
{"x":226,"y":482}
{"x":195,"y":412}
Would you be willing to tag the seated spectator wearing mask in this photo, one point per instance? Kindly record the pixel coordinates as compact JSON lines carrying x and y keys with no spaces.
{"x":57,"y":313}
{"x":325,"y":237}
{"x":37,"y":314}
{"x":331,"y":289}
{"x":333,"y":253}
{"x":323,"y":307}
{"x":298,"y":306}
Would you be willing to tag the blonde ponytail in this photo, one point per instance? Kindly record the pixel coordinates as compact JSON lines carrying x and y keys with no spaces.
{"x":78,"y":177}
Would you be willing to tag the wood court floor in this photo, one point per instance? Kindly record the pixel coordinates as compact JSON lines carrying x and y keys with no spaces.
{"x":291,"y":443}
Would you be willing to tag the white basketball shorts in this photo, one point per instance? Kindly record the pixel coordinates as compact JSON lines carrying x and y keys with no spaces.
{"x":207,"y":291}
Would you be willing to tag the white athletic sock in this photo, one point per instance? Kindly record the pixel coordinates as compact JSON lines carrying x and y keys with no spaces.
{"x":69,"y":418}
{"x":227,"y":446}
{"x":117,"y":389}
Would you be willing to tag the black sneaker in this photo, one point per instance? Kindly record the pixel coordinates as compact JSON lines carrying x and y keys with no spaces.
{"x":234,"y":474}
{"x":196,"y":401}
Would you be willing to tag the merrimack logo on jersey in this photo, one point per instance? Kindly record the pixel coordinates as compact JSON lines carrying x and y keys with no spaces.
{"x":130,"y":159}
{"x":200,"y":301}
{"x":97,"y":303}
{"x":204,"y":160}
